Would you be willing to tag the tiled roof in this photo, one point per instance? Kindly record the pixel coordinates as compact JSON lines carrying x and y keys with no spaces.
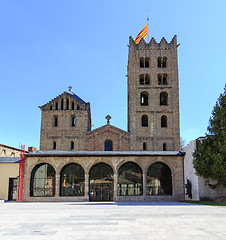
{"x":76,"y":97}
{"x":9,"y":159}
{"x":105,"y":153}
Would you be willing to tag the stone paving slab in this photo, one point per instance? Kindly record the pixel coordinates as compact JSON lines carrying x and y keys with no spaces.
{"x":111,"y":221}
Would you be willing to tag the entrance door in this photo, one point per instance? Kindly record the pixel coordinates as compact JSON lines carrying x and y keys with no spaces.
{"x":101,"y":193}
{"x":13,"y":182}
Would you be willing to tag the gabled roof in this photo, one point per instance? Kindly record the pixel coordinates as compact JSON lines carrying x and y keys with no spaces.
{"x":70,"y":93}
{"x":75,"y":96}
{"x":108,"y":126}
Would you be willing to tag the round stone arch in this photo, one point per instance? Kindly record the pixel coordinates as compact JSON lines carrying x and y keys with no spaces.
{"x":130,"y":177}
{"x":126,"y":161}
{"x":157,"y":183}
{"x":101,"y":182}
{"x":42,"y":180}
{"x":62,"y":165}
{"x":91,"y":164}
{"x":72,"y":180}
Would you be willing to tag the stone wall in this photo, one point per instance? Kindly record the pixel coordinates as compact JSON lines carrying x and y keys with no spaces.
{"x":154,"y":135}
{"x":97,"y":138}
{"x":175,"y":163}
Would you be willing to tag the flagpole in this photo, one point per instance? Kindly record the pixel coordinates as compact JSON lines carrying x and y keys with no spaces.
{"x":148,"y":25}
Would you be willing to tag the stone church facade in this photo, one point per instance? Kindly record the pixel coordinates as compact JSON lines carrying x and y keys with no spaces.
{"x":75,"y":163}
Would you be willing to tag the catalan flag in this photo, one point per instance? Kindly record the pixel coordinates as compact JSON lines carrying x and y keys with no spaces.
{"x":143,"y":33}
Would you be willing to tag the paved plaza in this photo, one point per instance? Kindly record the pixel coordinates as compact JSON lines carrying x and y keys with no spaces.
{"x":108,"y":221}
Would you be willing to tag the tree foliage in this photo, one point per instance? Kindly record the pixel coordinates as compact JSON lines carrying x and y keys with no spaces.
{"x":210,"y":155}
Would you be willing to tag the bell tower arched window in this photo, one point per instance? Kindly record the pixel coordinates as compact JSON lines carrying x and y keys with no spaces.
{"x":147,"y":60}
{"x":144,"y":99}
{"x":163,"y":121}
{"x":144,"y":121}
{"x":141,"y":62}
{"x":163,"y":98}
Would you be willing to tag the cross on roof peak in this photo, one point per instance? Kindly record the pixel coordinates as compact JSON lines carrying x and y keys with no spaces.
{"x":69,"y":88}
{"x":108,"y":117}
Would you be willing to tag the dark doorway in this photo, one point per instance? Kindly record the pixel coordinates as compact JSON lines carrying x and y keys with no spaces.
{"x":13,"y":183}
{"x":101,"y":182}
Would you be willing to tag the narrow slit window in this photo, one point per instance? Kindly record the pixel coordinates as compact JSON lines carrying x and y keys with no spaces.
{"x":164,"y":80}
{"x":54,"y":145}
{"x":164,"y":147}
{"x":159,"y":62}
{"x":147,"y":79}
{"x":144,"y":146}
{"x":72,"y":145}
{"x":51,"y":108}
{"x":73,"y":121}
{"x":62,"y":104}
{"x":73,"y":106}
{"x":55,"y":121}
{"x":164,"y":60}
{"x":147,"y":62}
{"x":56,"y":106}
{"x":67,"y":106}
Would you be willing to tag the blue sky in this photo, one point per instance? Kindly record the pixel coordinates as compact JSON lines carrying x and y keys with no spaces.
{"x":46,"y":46}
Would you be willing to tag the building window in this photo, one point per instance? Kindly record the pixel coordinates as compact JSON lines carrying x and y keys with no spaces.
{"x":162,"y":62}
{"x":42,"y":181}
{"x":147,"y":60}
{"x":144,"y":99}
{"x":144,"y":146}
{"x":67,"y":106}
{"x":141,"y":62}
{"x":72,"y":145}
{"x":108,"y":145}
{"x":12,"y":154}
{"x":56,"y":106}
{"x":78,"y":107}
{"x":164,"y":146}
{"x":142,"y":79}
{"x":55,"y":121}
{"x":3,"y":152}
{"x":147,"y":79}
{"x":144,"y":121}
{"x":51,"y":108}
{"x":162,"y":79}
{"x":54,"y":145}
{"x":62,"y":104}
{"x":159,"y":179}
{"x":163,"y":121}
{"x":72,"y":180}
{"x":130,"y":180}
{"x":73,"y":121}
{"x":73,"y":106}
{"x":163,"y":98}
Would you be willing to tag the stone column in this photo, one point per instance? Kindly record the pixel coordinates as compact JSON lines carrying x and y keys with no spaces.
{"x":87,"y":187}
{"x":115,"y":187}
{"x":57,"y":185}
{"x":144,"y":184}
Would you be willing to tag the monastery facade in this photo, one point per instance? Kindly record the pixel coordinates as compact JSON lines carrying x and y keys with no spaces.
{"x":75,"y":163}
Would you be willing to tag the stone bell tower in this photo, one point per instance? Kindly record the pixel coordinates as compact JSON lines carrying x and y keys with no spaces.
{"x":153,"y":95}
